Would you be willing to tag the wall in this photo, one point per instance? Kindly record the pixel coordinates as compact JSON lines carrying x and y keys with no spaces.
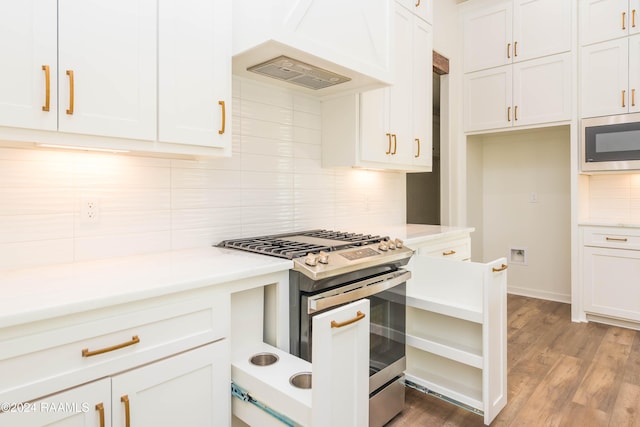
{"x":273,"y":183}
{"x":507,"y":170}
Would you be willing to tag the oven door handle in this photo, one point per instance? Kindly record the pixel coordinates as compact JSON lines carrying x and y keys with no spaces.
{"x":356,"y":291}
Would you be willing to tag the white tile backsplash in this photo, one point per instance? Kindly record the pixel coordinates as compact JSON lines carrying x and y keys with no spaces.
{"x":615,"y":197}
{"x":273,"y":183}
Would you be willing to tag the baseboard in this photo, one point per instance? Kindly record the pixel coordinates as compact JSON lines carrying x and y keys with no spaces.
{"x":534,"y":293}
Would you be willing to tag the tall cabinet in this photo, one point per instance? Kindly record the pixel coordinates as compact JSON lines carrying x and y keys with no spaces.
{"x":388,"y":128}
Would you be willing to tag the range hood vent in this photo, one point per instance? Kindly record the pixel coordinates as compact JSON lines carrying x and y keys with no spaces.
{"x":298,"y":73}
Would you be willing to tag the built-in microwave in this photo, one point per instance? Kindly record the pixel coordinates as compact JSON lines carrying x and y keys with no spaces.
{"x":611,"y":143}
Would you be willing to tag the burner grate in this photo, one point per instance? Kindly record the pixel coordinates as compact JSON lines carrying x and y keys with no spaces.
{"x":277,"y":245}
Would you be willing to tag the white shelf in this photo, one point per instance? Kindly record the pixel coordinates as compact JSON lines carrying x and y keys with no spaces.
{"x":447,"y":308}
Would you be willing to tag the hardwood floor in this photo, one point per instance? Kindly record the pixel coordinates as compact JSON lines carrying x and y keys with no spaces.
{"x":559,"y":374}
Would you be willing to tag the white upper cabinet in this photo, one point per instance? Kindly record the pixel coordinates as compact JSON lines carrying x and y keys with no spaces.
{"x":194,"y":72}
{"x":602,"y":20}
{"x":512,"y":31}
{"x":107,"y":67}
{"x":610,"y":77}
{"x":526,"y":93}
{"x":388,"y":128}
{"x":350,"y":38}
{"x":29,"y":80}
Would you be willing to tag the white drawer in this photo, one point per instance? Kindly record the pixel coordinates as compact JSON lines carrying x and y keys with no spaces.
{"x":80,"y":348}
{"x":609,"y":237}
{"x":459,"y":248}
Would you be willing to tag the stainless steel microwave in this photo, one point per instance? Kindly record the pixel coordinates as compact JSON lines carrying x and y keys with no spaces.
{"x":611,"y":143}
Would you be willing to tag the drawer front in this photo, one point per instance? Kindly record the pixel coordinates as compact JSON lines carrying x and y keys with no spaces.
{"x":112,"y":341}
{"x":453,"y":249}
{"x":618,"y":238}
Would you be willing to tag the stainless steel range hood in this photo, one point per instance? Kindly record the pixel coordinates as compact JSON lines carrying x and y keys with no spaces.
{"x":298,"y":73}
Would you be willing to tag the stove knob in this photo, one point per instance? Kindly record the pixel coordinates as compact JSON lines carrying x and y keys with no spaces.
{"x":392,"y":245}
{"x":311,"y":260}
{"x":323,"y":257}
{"x":383,"y":246}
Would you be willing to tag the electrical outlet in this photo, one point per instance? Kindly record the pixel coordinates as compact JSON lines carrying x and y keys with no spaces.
{"x":533,"y":197}
{"x":89,"y":210}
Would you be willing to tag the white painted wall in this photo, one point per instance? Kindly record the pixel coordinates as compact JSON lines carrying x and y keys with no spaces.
{"x":272,"y":183}
{"x":507,"y":168}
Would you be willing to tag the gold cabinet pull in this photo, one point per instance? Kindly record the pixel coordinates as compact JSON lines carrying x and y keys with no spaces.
{"x":359,"y":316}
{"x":71,"y":92}
{"x":100,"y":409}
{"x":47,"y":87}
{"x":451,"y":252}
{"x":509,"y":50}
{"x":87,"y":353}
{"x":509,"y":113}
{"x":624,"y":15}
{"x":224,"y":117}
{"x":503,"y":267}
{"x":389,"y":148}
{"x":616,"y":239}
{"x":418,"y":4}
{"x":395,"y":144}
{"x":515,"y":113}
{"x":633,"y":97}
{"x":515,"y":49}
{"x":127,"y":410}
{"x":418,"y":141}
{"x":633,"y":18}
{"x":624,"y":92}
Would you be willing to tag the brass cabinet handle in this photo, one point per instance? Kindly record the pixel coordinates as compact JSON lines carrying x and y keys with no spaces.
{"x":515,"y":113}
{"x":127,"y":410}
{"x":388,"y":149}
{"x":224,"y":117}
{"x":134,"y":340}
{"x":418,"y":4}
{"x":395,"y":144}
{"x":418,"y":141}
{"x":47,"y":87}
{"x":633,"y":18}
{"x":100,"y":409}
{"x":515,"y":49}
{"x":616,"y":239}
{"x":503,"y":267}
{"x":624,"y":14}
{"x":624,"y":92}
{"x":633,"y":97}
{"x":71,"y":94}
{"x":451,"y":252}
{"x":509,"y":113}
{"x":359,"y":316}
{"x":509,"y":50}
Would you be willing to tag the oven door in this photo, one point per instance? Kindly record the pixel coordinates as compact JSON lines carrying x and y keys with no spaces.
{"x":387,"y":296}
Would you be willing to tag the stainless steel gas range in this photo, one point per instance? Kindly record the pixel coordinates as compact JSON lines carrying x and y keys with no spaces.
{"x":334,"y":268}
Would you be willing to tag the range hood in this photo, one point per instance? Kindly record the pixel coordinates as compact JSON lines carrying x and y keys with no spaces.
{"x":320,"y":47}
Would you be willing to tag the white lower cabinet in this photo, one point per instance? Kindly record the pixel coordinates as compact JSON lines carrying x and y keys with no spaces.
{"x":456,"y":331}
{"x":611,"y":267}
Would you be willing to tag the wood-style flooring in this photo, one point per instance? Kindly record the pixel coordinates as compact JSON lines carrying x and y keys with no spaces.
{"x":559,"y":374}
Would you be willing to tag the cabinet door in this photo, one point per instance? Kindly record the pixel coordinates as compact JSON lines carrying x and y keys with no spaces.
{"x":340,"y":391}
{"x":190,"y":389}
{"x":110,"y":49}
{"x":421,"y":8}
{"x":422,"y":95}
{"x":540,"y":28}
{"x":611,"y":282}
{"x":194,"y":72}
{"x":542,"y":90}
{"x":634,"y":74}
{"x":634,"y":17}
{"x":602,"y":20}
{"x":88,"y":405}
{"x":487,"y":37}
{"x":28,"y":29}
{"x":488,"y":96}
{"x":375,"y":137}
{"x":604,"y":77}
